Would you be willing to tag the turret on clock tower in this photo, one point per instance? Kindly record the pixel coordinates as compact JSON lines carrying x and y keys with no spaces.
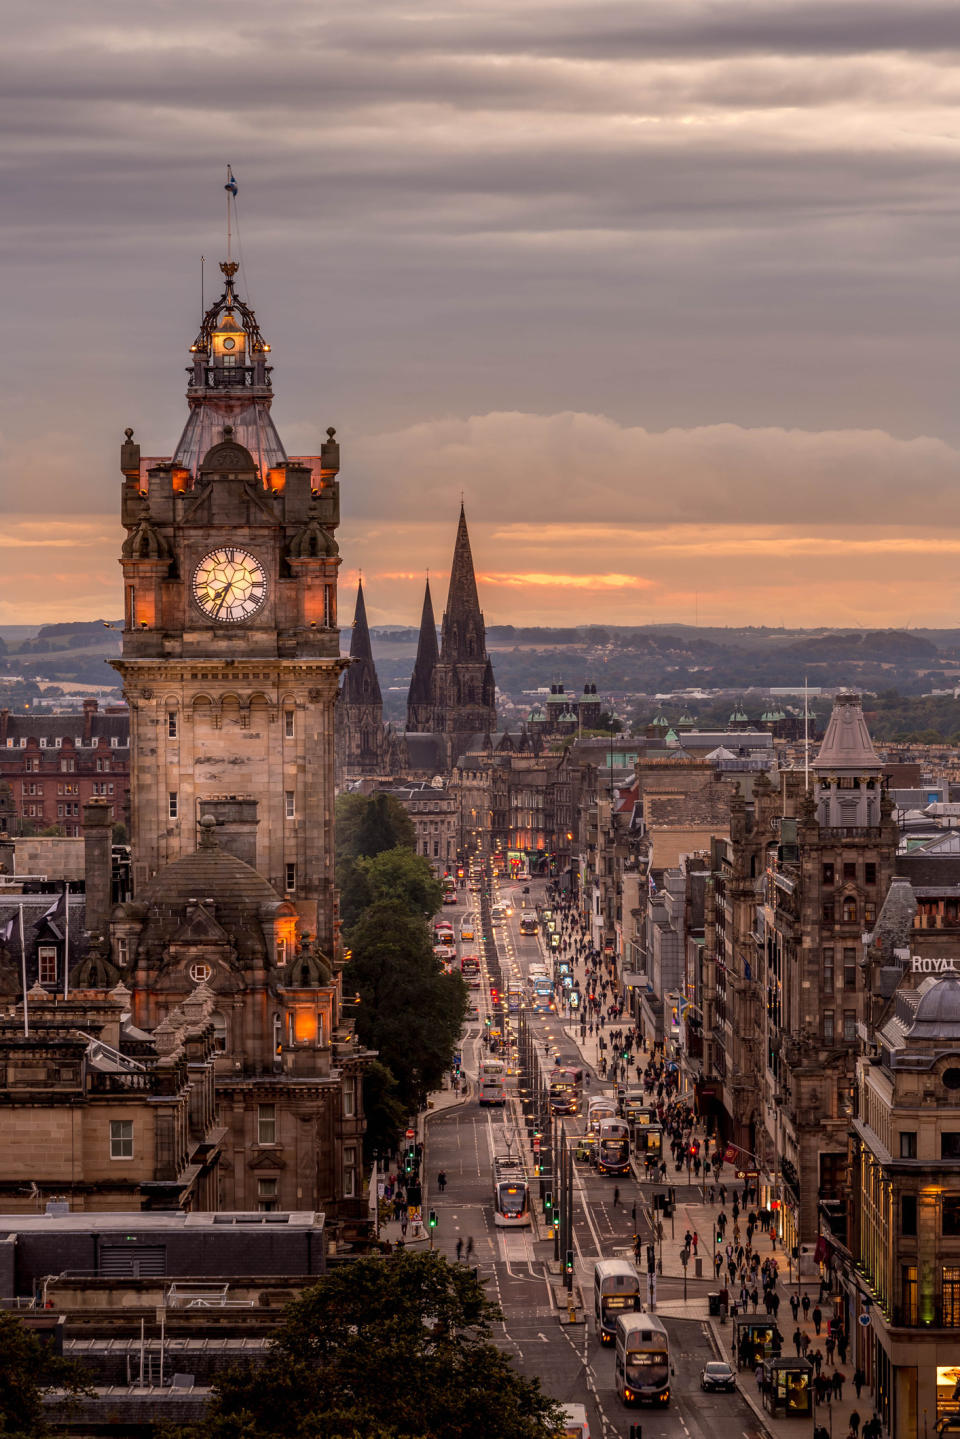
{"x":231,"y":653}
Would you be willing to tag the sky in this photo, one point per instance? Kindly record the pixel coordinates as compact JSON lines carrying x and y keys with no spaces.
{"x":668,"y":292}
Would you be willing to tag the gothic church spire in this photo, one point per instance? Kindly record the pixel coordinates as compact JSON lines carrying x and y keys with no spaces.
{"x":462,"y":637}
{"x":360,"y":684}
{"x":420,"y":696}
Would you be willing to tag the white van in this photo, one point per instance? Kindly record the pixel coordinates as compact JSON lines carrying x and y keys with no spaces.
{"x":575,"y":1424}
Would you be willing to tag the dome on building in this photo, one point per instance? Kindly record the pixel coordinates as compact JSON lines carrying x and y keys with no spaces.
{"x":847,"y":743}
{"x":210,"y":872}
{"x":938,"y":1012}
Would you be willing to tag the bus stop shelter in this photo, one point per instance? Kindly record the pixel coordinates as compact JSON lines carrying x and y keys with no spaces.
{"x":756,"y":1339}
{"x":788,"y":1388}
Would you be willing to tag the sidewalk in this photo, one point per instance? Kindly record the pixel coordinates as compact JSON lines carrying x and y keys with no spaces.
{"x":438,"y":1102}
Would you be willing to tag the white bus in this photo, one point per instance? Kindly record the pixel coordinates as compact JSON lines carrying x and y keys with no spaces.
{"x":616,"y":1291}
{"x":643,"y":1360}
{"x":575,"y":1422}
{"x":528,"y":921}
{"x":511,"y":1193}
{"x":492,"y":1084}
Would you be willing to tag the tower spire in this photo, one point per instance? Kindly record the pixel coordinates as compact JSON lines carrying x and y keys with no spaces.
{"x":420,"y":696}
{"x":463,"y":630}
{"x":360,"y":683}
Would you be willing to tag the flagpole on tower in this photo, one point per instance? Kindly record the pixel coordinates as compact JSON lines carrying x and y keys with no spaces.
{"x":231,"y":189}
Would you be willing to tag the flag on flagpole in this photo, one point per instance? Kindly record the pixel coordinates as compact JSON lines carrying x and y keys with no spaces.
{"x":6,"y":934}
{"x":231,"y":184}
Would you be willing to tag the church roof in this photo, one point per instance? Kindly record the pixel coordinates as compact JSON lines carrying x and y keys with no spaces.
{"x":360,"y":683}
{"x":847,"y":743}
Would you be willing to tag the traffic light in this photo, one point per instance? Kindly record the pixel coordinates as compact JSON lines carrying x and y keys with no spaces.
{"x":568,"y":1262}
{"x":548,"y":1204}
{"x":719,"y":1240}
{"x":651,"y":1259}
{"x":410,"y":1160}
{"x":432,"y":1221}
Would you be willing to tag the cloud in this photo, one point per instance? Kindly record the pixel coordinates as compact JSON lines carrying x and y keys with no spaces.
{"x":581,"y":467}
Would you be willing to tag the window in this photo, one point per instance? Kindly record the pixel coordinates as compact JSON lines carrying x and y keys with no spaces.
{"x":849,"y":910}
{"x":349,"y":1169}
{"x":828,"y":913}
{"x":908,"y":1144}
{"x":288,"y":804}
{"x":121,"y":1139}
{"x":828,"y":874}
{"x":850,"y":870}
{"x":172,"y":804}
{"x":870,"y":873}
{"x":123,"y":952}
{"x":436,"y":849}
{"x":849,"y":1024}
{"x":828,"y":1026}
{"x":47,"y":958}
{"x":172,"y":725}
{"x":951,"y":1215}
{"x":950,"y":1145}
{"x":291,"y":877}
{"x":908,"y":1214}
{"x":827,"y":955}
{"x":908,"y":1284}
{"x":849,"y":969}
{"x":200,"y":972}
{"x":288,"y":724}
{"x":348,"y":1102}
{"x":266,"y":1124}
{"x":951,"y":1296}
{"x":869,"y":912}
{"x":267,"y":1195}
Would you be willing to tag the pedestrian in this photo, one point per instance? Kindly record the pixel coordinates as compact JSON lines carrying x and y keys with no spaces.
{"x":798,"y":1342}
{"x":854,"y":1422}
{"x":859,"y":1379}
{"x":838,"y":1384}
{"x":459,"y":1250}
{"x":754,"y":1298}
{"x":442,"y":1181}
{"x":842,"y":1347}
{"x":469,"y":1248}
{"x":817,"y":1318}
{"x":817,"y":1360}
{"x":758,"y":1375}
{"x":795,"y":1307}
{"x":831,"y":1345}
{"x":805,"y":1305}
{"x":403,"y":1225}
{"x":633,"y":1216}
{"x":696,"y":1241}
{"x":616,"y":1196}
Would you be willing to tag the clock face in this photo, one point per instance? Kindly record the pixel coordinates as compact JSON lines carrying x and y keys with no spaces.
{"x":229,"y":585}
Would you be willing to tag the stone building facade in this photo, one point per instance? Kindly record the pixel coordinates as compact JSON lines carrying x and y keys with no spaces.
{"x":55,"y":763}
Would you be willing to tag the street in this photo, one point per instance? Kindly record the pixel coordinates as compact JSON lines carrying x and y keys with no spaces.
{"x":518,"y":1266}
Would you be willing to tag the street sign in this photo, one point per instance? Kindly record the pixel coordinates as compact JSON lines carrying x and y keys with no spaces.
{"x":865,"y":1321}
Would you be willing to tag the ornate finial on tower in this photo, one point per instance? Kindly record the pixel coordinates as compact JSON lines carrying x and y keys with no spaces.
{"x":330,"y":455}
{"x":207,"y":837}
{"x":229,"y":268}
{"x":227,"y":432}
{"x":130,"y":456}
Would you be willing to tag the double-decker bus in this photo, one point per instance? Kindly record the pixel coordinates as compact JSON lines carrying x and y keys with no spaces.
{"x":511,"y":1193}
{"x":566,"y":1086}
{"x":492,"y":1084}
{"x":449,"y":889}
{"x":541,"y":990}
{"x":442,"y":931}
{"x":643,"y":1360}
{"x":616,"y":1291}
{"x":528,"y":921}
{"x":514,"y":996}
{"x":613,"y":1147}
{"x":470,"y":970}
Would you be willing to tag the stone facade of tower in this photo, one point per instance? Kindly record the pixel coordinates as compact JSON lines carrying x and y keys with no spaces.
{"x":230,"y":660}
{"x":453,"y":693}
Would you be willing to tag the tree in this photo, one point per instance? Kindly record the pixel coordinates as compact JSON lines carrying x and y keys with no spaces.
{"x":369,"y":823}
{"x":383,"y":1110}
{"x":28,"y":1368}
{"x":394,"y":1348}
{"x":410,"y":1011}
{"x":394,"y":874}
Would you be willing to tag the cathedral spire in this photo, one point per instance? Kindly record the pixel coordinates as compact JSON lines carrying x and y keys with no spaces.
{"x":360,"y":683}
{"x":420,"y":697}
{"x":462,"y":636}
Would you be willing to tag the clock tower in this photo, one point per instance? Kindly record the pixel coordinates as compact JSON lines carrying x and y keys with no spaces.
{"x":231,"y":653}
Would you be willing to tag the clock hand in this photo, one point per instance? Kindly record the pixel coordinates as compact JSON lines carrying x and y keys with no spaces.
{"x":222,"y":595}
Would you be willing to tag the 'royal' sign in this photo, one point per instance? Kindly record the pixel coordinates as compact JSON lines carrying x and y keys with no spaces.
{"x":919,"y":965}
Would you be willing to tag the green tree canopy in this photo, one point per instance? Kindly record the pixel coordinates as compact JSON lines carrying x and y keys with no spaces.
{"x":395,"y":874}
{"x":383,"y":1109}
{"x":395,"y":1348}
{"x":28,"y":1368}
{"x":369,"y":823}
{"x":410,"y":1011}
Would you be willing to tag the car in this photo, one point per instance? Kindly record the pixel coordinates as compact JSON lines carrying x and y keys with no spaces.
{"x":718,"y":1375}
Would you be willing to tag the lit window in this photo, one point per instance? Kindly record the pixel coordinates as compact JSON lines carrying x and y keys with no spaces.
{"x":121,"y":1139}
{"x":266,"y":1124}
